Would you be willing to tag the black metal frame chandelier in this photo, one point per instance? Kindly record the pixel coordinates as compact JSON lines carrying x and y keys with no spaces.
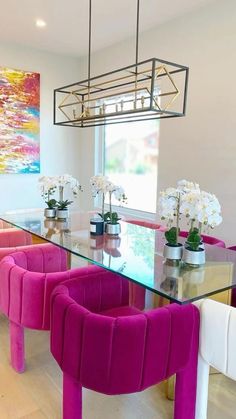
{"x":151,"y":89}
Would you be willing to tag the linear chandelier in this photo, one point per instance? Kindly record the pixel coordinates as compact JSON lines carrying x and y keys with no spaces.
{"x":151,"y":89}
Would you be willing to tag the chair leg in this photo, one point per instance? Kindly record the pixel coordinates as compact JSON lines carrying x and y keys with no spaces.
{"x":186,"y":382}
{"x":17,"y":347}
{"x":72,"y":398}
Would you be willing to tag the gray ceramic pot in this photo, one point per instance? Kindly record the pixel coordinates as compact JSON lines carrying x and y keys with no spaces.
{"x":62,"y":214}
{"x":173,"y":252}
{"x":113,"y":229}
{"x":50,"y":212}
{"x":194,"y":257}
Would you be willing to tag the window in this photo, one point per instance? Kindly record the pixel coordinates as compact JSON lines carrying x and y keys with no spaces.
{"x":131,"y":160}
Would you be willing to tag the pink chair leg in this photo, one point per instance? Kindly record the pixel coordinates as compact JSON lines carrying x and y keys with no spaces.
{"x":186,"y":382}
{"x":17,"y":347}
{"x":72,"y":398}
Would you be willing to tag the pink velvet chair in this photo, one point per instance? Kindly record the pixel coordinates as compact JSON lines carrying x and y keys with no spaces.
{"x":206,"y":239}
{"x":27,"y":279}
{"x":12,"y":239}
{"x":232,"y":248}
{"x":4,"y":224}
{"x":103,"y":344}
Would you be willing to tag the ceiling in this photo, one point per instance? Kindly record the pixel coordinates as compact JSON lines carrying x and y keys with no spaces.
{"x":67,"y":21}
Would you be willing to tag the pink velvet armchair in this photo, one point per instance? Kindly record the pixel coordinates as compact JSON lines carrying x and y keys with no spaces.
{"x":11,"y":239}
{"x":4,"y":224}
{"x":27,"y":279}
{"x":103,"y":344}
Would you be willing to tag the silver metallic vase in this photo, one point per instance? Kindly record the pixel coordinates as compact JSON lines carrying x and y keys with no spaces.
{"x":62,"y":214}
{"x":194,"y":257}
{"x":50,"y":212}
{"x":173,"y":252}
{"x":113,"y":229}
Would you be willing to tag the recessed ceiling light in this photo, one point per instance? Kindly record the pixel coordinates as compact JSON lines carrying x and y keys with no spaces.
{"x":40,"y":23}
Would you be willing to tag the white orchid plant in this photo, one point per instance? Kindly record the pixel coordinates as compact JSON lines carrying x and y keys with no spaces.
{"x":49,"y":184}
{"x":101,"y":185}
{"x":199,"y":207}
{"x":64,"y":181}
{"x":47,"y":187}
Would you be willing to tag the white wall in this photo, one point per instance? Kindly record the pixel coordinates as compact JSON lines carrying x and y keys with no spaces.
{"x":59,"y":145}
{"x":201,"y":146}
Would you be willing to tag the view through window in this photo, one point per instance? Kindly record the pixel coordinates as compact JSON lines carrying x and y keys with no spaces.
{"x":131,"y":160}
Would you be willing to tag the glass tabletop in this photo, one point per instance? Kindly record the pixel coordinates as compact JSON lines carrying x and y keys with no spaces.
{"x":135,"y":254}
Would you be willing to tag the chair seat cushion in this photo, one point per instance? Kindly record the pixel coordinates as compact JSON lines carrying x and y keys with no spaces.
{"x":121,"y":311}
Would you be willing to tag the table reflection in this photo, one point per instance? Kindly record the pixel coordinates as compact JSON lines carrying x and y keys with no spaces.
{"x":185,"y":282}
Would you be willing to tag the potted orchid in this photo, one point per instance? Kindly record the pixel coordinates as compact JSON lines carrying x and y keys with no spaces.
{"x":194,"y":252}
{"x":48,"y":186}
{"x":112,"y":218}
{"x":200,"y":208}
{"x":203,"y":210}
{"x":169,"y":209}
{"x":101,"y":186}
{"x":64,"y":182}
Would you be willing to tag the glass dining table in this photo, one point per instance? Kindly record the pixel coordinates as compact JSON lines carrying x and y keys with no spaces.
{"x":136,"y":254}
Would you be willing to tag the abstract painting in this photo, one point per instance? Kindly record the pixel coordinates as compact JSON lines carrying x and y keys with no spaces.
{"x":19,"y":121}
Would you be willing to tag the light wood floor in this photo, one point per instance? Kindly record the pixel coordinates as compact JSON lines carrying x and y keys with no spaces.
{"x":36,"y":394}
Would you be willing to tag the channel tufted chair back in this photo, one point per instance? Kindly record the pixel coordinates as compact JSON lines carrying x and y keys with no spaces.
{"x":217,"y":347}
{"x":11,"y":240}
{"x":5,"y":224}
{"x":27,"y":279}
{"x":103,"y":344}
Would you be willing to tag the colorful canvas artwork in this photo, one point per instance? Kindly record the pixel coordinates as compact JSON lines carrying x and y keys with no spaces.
{"x":19,"y":121}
